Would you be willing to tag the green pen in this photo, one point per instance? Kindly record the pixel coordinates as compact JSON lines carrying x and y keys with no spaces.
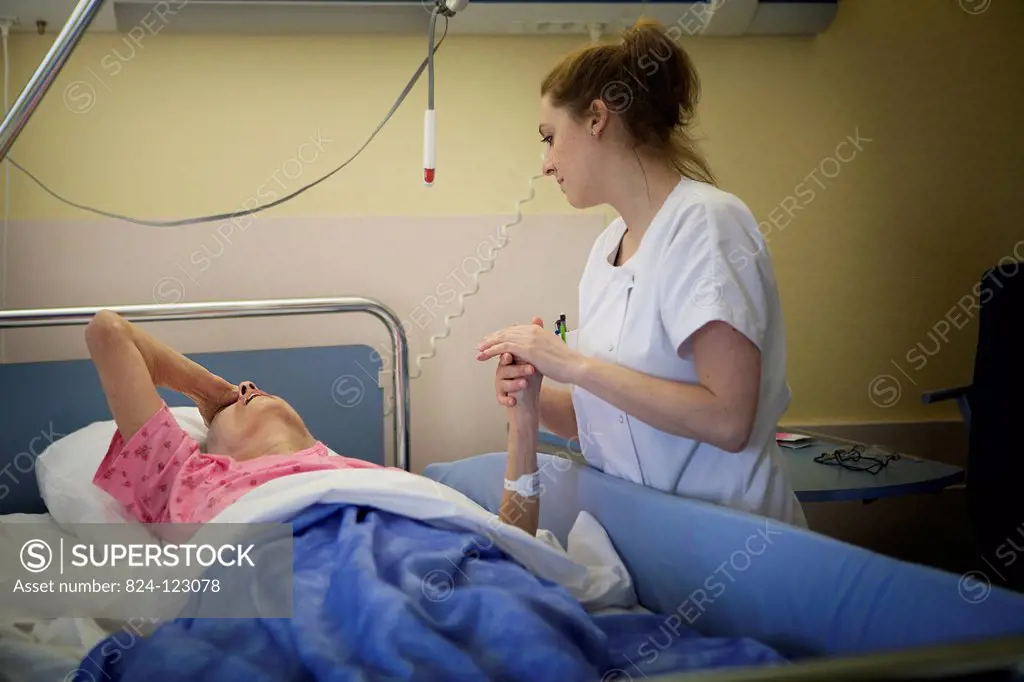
{"x":562,"y":326}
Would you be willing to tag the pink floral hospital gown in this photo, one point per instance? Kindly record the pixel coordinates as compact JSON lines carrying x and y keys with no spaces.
{"x":160,"y":476}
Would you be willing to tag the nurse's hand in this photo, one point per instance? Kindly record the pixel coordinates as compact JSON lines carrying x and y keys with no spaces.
{"x":530,"y":343}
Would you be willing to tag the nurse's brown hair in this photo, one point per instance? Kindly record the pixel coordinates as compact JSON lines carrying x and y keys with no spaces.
{"x":649,"y":82}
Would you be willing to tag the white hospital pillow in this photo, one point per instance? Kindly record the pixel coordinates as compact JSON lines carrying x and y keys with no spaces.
{"x":66,"y":468}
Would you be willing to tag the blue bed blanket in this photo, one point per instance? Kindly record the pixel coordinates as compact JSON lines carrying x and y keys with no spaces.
{"x":378,"y":596}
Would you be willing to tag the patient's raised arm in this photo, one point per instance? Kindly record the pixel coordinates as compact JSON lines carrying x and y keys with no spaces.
{"x":521,"y":507}
{"x":131,"y":365}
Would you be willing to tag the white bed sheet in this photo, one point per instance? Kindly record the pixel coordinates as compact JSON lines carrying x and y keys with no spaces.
{"x":44,"y":649}
{"x":588,"y":568}
{"x":38,"y":649}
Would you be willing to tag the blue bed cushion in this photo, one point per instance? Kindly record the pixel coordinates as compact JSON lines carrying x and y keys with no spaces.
{"x":727,"y":573}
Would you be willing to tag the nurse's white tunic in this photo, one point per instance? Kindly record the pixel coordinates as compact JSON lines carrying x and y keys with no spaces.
{"x":701,"y":259}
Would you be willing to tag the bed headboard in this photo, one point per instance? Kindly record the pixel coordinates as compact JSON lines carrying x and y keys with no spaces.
{"x":333,"y":388}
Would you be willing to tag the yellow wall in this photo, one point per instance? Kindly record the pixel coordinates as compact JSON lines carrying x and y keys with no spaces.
{"x":868,"y":266}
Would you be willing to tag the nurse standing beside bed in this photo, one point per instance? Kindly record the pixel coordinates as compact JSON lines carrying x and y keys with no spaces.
{"x":678,"y":365}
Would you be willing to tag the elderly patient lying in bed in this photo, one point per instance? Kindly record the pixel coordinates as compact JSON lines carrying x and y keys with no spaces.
{"x":161,"y":474}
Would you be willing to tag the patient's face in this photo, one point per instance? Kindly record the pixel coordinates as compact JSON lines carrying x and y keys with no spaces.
{"x":255,"y":422}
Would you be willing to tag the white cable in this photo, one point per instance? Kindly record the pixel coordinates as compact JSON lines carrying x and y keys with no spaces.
{"x":4,"y":32}
{"x":432,"y":341}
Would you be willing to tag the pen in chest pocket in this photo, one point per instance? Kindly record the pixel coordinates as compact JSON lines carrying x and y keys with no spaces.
{"x":560,"y":329}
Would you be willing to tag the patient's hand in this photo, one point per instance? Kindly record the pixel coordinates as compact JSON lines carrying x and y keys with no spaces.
{"x":514,"y":375}
{"x":511,"y":378}
{"x":210,"y":405}
{"x":527,"y":401}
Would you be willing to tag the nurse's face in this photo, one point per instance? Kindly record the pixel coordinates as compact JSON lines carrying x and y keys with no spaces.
{"x":570,"y":155}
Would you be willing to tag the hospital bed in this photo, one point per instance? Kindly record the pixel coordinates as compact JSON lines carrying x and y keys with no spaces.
{"x":835,"y":610}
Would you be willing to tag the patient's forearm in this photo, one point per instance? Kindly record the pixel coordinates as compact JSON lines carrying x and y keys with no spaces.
{"x":516,"y":510}
{"x":170,"y":369}
{"x":557,"y":413}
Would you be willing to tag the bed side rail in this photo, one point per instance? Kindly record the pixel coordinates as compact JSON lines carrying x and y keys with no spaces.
{"x":988,"y":659}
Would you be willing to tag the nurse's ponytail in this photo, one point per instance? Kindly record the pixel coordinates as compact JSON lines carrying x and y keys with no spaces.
{"x":649,"y":81}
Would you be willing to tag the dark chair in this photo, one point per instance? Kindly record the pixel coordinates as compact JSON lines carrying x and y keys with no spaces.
{"x":993,"y":411}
